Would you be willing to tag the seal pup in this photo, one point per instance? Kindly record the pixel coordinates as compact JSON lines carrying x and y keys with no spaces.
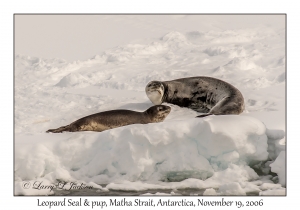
{"x":115,"y":118}
{"x":202,"y":94}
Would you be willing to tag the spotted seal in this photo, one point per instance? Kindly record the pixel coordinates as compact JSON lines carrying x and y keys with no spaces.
{"x":115,"y":118}
{"x":202,"y":94}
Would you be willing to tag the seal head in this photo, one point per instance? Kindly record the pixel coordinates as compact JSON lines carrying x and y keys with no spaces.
{"x":155,"y":92}
{"x":158,"y":113}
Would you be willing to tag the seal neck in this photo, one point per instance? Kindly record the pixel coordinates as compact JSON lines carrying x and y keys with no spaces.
{"x":166,"y":93}
{"x":148,"y":118}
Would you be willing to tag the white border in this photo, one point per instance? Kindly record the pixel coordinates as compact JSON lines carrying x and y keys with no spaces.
{"x":8,"y":8}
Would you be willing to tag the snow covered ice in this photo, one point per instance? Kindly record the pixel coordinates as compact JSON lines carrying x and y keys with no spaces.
{"x":222,"y":155}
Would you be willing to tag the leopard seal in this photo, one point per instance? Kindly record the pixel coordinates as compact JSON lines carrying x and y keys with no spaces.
{"x":202,"y":94}
{"x":115,"y":118}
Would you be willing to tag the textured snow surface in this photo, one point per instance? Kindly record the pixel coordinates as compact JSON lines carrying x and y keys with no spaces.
{"x":170,"y":151}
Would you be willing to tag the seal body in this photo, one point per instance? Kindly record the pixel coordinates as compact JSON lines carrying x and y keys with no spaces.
{"x":202,"y":94}
{"x":115,"y":118}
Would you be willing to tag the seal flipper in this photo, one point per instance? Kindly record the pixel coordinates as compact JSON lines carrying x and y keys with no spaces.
{"x":59,"y":130}
{"x":204,"y":115}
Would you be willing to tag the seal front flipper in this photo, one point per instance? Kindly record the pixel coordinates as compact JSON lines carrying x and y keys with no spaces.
{"x":204,"y":115}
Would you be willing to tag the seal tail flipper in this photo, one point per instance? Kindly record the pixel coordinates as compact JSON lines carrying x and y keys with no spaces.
{"x":204,"y":115}
{"x":59,"y":130}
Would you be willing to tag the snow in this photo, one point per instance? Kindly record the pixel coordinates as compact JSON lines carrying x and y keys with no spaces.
{"x":281,"y":191}
{"x":232,"y":154}
{"x":170,"y":151}
{"x":267,"y":186}
{"x":232,"y":188}
{"x":210,"y":191}
{"x":278,"y":166}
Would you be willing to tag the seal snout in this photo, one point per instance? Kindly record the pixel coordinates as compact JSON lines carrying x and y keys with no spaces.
{"x":163,"y":110}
